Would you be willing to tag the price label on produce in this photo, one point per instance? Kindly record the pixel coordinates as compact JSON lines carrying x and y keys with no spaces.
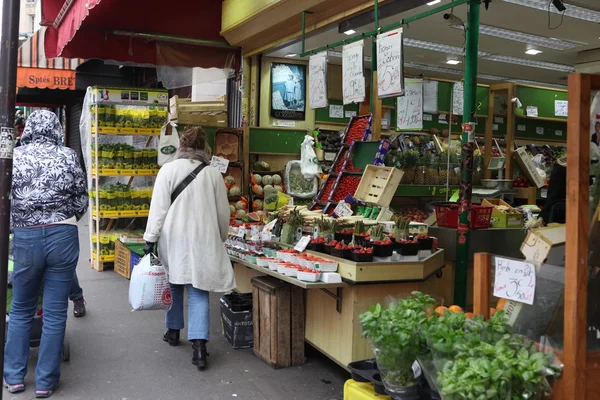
{"x":265,"y":236}
{"x":515,"y":280}
{"x":301,"y":245}
{"x":221,"y":164}
{"x":416,"y":367}
{"x":269,"y":227}
{"x":342,"y":209}
{"x":241,"y":232}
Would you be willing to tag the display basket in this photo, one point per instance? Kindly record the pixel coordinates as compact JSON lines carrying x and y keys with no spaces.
{"x":308,"y":277}
{"x":447,"y":215}
{"x":273,"y":264}
{"x":358,"y":257}
{"x":325,"y":266}
{"x":378,"y":185}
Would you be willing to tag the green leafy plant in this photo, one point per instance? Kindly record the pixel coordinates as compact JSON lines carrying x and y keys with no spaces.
{"x":401,"y":227}
{"x":377,"y":232}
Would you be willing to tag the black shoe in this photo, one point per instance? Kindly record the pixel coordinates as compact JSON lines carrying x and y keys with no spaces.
{"x":200,"y":355}
{"x":79,"y":308}
{"x":172,"y":337}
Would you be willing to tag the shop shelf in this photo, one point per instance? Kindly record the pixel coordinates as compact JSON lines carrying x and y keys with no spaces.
{"x":111,"y":130}
{"x":120,"y":214}
{"x":125,"y":172}
{"x":110,"y":258}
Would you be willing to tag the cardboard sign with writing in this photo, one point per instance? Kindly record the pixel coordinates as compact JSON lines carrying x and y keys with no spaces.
{"x":515,"y":280}
{"x":221,"y":164}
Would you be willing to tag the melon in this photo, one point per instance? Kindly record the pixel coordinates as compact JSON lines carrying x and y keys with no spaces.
{"x":257,"y":189}
{"x":231,"y":210}
{"x":254,"y":217}
{"x":240,"y":214}
{"x":235,"y":191}
{"x":240,"y":205}
{"x":257,"y":205}
{"x":260,"y":213}
{"x":279,"y":188}
{"x":257,"y":179}
{"x":261,"y":166}
{"x":268,"y":189}
{"x":276,"y":180}
{"x":267,"y":180}
{"x":229,"y":181}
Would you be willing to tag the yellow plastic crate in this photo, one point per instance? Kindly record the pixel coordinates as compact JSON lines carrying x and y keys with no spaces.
{"x":361,"y":391}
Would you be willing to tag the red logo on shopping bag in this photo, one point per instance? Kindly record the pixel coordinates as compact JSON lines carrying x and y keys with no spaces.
{"x":166,"y":297}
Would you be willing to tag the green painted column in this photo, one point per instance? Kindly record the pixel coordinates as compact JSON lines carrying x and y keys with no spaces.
{"x":467,"y":144}
{"x":374,"y":56}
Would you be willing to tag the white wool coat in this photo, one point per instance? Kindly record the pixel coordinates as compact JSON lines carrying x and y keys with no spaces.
{"x":191,"y":231}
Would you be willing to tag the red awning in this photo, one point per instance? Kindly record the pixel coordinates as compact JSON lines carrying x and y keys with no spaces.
{"x":99,"y":28}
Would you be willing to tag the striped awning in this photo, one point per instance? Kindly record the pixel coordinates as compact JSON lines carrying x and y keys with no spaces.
{"x":32,"y":55}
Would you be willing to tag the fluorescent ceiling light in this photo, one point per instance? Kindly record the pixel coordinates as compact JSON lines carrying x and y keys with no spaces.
{"x":350,"y":32}
{"x":533,"y":52}
{"x":292,"y":55}
{"x":572,"y":11}
{"x":535,"y":40}
{"x":453,"y":62}
{"x":431,"y":3}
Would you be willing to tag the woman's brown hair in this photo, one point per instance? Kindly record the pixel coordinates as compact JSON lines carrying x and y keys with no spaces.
{"x":193,"y":137}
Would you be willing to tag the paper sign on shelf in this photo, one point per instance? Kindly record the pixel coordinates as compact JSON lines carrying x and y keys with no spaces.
{"x":427,"y":117}
{"x":221,"y":164}
{"x":521,"y":128}
{"x":515,"y":280}
{"x":336,"y":111}
{"x":442,"y":118}
{"x":353,"y":80}
{"x":350,"y":114}
{"x":539,"y":130}
{"x":499,"y":120}
{"x":558,"y":133}
{"x":301,"y":245}
{"x":284,"y":123}
{"x":430,"y":97}
{"x":532,"y":111}
{"x":317,"y":88}
{"x":343,"y":209}
{"x":390,"y":75}
{"x":561,"y":108}
{"x":494,"y":127}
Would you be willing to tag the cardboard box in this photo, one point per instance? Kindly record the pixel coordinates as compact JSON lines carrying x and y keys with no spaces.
{"x":510,"y":218}
{"x":236,"y":320}
{"x":524,"y":159}
{"x":546,"y":245}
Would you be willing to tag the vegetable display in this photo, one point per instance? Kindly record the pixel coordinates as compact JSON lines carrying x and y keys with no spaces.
{"x":356,"y":130}
{"x":347,"y":185}
{"x":124,"y":156}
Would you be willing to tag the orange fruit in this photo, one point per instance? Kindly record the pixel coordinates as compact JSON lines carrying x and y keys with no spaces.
{"x":501,"y":304}
{"x":440,"y":310}
{"x":455,"y":309}
{"x":492,"y":312}
{"x":469,"y":315}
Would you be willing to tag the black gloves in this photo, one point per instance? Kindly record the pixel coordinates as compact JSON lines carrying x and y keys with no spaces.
{"x":149,"y":248}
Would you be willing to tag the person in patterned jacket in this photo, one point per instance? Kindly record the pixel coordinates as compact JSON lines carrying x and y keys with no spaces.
{"x":49,"y":196}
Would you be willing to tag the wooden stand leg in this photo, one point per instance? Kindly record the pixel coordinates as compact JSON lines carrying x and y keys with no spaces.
{"x":481,"y":282}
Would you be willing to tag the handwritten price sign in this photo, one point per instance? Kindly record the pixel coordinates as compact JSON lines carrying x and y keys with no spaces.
{"x":221,"y":164}
{"x":515,"y":280}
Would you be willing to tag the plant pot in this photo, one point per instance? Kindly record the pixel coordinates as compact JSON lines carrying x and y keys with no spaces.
{"x":328,"y":249}
{"x":347,"y":254}
{"x":360,"y":240}
{"x":363,"y":371}
{"x":345,"y":237}
{"x":316,"y":247}
{"x":383,"y":250}
{"x":405,"y":393}
{"x":358,"y":257}
{"x":378,"y":386}
{"x":425,"y":244}
{"x":409,"y":249}
{"x":287,"y":234}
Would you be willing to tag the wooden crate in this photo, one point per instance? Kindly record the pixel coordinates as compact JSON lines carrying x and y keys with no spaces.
{"x":278,"y":318}
{"x":125,"y":259}
{"x":378,"y":185}
{"x":207,"y":113}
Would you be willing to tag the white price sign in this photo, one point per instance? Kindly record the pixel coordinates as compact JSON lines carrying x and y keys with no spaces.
{"x":515,"y":280}
{"x":241,"y":232}
{"x":269,"y":227}
{"x":342,"y":209}
{"x":221,"y":164}
{"x":301,"y":245}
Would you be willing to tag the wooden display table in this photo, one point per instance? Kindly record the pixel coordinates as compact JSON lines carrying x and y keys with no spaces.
{"x":332,"y":324}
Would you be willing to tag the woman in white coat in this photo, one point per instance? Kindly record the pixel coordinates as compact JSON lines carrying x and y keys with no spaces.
{"x":190,"y":235}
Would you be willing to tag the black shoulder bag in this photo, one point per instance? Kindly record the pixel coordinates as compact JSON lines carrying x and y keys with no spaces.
{"x":188,"y":179}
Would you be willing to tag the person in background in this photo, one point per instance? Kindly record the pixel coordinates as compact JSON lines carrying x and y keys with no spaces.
{"x":19,"y":127}
{"x":49,"y":196}
{"x":190,"y":233}
{"x":596,"y":134}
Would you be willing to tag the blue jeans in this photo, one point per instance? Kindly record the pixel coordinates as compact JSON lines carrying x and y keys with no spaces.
{"x":198,"y":312}
{"x":45,"y":255}
{"x":76,"y":292}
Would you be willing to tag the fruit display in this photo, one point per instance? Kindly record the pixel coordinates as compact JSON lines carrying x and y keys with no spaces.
{"x":227,"y":144}
{"x":359,"y":128}
{"x":346,"y":186}
{"x":239,"y":209}
{"x":124,"y":156}
{"x":330,"y":142}
{"x":121,"y":197}
{"x":107,"y":240}
{"x":233,"y":180}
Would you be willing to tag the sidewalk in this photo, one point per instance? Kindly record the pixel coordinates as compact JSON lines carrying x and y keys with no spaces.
{"x":119,"y":354}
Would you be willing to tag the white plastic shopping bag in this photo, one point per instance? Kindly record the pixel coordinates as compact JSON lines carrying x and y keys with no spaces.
{"x":310,"y":165}
{"x":149,"y":286}
{"x":168,"y":143}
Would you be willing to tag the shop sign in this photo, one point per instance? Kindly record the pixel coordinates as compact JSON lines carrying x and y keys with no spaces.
{"x":44,"y":78}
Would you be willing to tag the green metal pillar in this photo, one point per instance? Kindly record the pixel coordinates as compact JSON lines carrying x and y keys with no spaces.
{"x":467,"y":144}
{"x":374,"y":55}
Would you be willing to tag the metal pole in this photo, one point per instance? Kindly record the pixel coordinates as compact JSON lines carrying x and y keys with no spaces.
{"x":467,"y":142}
{"x":9,"y":44}
{"x":373,"y":56}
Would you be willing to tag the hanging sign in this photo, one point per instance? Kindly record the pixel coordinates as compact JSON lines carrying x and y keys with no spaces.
{"x":221,"y":164}
{"x":317,"y":69}
{"x":430,"y":96}
{"x":458,"y":98}
{"x":390,"y":74}
{"x":353,"y":80}
{"x":409,"y":108}
{"x":515,"y":280}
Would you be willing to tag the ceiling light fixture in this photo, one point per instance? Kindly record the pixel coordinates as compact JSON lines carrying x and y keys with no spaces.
{"x":533,"y":52}
{"x":571,"y":11}
{"x":431,"y":3}
{"x":453,"y":62}
{"x":350,"y":32}
{"x":291,"y":55}
{"x":535,"y":40}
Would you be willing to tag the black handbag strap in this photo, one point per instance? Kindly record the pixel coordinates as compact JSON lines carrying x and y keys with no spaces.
{"x":188,"y":179}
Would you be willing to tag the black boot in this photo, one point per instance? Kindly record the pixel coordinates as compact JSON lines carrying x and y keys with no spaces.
{"x":199,"y":357}
{"x":172,"y":337}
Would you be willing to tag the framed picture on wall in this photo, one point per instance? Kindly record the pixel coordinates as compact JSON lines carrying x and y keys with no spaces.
{"x":288,"y":91}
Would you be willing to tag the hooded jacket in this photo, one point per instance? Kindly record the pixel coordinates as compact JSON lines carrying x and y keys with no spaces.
{"x":49,"y":184}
